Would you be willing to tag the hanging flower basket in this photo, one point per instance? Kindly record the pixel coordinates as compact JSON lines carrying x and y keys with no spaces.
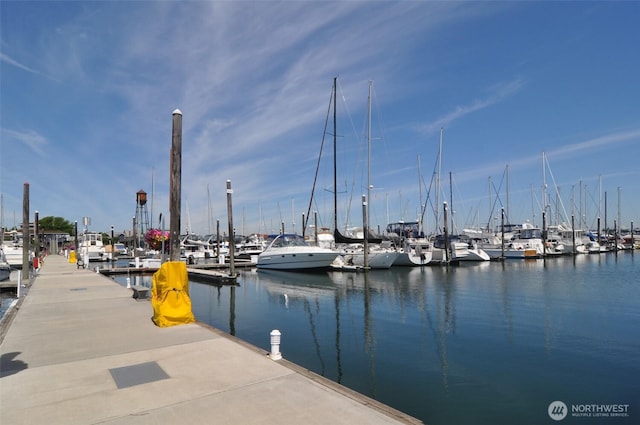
{"x":154,"y":238}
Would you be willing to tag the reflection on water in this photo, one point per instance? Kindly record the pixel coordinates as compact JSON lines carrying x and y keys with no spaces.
{"x":477,"y":343}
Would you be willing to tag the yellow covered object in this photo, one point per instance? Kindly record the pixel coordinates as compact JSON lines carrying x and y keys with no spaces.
{"x":170,"y":295}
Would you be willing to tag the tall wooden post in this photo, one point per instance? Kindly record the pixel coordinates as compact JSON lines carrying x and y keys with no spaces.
{"x":365,"y":221}
{"x":175,"y":182}
{"x":315,"y":227}
{"x":502,"y":234}
{"x":232,"y":236}
{"x":26,"y":232}
{"x":134,"y":240}
{"x":36,"y":235}
{"x":218,"y":239}
{"x":113,"y":252}
{"x":447,"y":243}
{"x":573,"y":235}
{"x":544,"y":233}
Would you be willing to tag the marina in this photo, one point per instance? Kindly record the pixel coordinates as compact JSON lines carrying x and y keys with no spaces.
{"x":487,"y":342}
{"x":79,"y":349}
{"x":355,"y":286}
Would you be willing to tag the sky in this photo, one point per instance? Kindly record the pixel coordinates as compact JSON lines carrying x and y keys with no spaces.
{"x":527,"y":106}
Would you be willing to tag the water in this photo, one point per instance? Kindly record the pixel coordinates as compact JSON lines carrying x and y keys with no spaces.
{"x":487,"y":343}
{"x":8,"y":297}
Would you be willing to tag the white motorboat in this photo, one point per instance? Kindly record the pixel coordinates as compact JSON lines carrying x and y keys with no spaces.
{"x":416,"y":252}
{"x":90,"y":245}
{"x":193,"y":249}
{"x":378,"y":257}
{"x":292,"y":252}
{"x":12,"y":248}
{"x":5,"y":268}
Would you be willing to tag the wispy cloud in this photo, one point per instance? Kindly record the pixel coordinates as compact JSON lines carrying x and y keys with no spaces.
{"x":499,"y":92}
{"x":31,"y":139}
{"x":590,"y":145}
{"x":573,"y":151}
{"x":6,"y":59}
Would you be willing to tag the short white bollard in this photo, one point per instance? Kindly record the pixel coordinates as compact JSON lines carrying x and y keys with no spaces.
{"x":275,"y":345}
{"x":19,"y":289}
{"x":137,"y":262}
{"x":128,"y":283}
{"x":97,"y":269}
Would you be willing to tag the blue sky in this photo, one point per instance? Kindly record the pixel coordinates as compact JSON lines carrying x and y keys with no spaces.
{"x":88,"y":90}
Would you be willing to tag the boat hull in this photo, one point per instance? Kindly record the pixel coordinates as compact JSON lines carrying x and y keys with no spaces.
{"x":296,"y":260}
{"x":5,"y":271}
{"x":376,"y":260}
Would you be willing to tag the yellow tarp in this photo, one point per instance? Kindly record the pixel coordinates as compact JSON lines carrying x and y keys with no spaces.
{"x":170,"y":295}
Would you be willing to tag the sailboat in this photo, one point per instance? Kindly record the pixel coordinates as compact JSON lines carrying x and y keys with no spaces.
{"x":445,"y":249}
{"x":415,"y":249}
{"x":365,"y":251}
{"x":360,"y":248}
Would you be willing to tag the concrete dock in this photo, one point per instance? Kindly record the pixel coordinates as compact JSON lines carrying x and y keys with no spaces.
{"x":78,"y":349}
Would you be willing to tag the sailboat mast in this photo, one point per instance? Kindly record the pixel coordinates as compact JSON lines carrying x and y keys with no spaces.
{"x":508,"y":190}
{"x":544,"y":186}
{"x":209,"y":217}
{"x":438,"y":182}
{"x":335,"y":156}
{"x":451,"y":201}
{"x":366,"y":232}
{"x":420,"y":224}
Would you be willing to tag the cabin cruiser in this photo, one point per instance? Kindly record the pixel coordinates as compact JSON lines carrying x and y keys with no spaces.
{"x":90,"y":245}
{"x":292,"y":252}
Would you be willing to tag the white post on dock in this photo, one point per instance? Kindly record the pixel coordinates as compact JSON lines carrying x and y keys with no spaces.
{"x":18,"y":289}
{"x":275,"y":345}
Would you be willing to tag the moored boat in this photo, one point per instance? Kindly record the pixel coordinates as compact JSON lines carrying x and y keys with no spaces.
{"x":292,"y":252}
{"x":90,"y":245}
{"x":5,"y":268}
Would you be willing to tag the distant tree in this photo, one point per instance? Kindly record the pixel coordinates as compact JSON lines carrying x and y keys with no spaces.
{"x":55,"y":224}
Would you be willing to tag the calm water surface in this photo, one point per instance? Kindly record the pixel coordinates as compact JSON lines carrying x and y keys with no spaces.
{"x":488,"y":343}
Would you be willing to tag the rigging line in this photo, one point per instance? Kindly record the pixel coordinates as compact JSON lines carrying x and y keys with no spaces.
{"x":315,"y":177}
{"x":428,"y":200}
{"x":497,"y":200}
{"x":358,"y":151}
{"x":555,"y":186}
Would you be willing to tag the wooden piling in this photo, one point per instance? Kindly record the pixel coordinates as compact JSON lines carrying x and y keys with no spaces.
{"x":447,"y":243}
{"x":26,"y":232}
{"x":365,"y":221}
{"x":175,"y":181}
{"x":232,"y":242}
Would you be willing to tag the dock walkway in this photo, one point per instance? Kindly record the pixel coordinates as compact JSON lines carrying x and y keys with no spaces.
{"x":78,"y":349}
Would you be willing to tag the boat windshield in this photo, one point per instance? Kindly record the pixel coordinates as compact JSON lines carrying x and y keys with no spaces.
{"x":409,"y":229}
{"x":287,"y":240}
{"x":530,"y":234}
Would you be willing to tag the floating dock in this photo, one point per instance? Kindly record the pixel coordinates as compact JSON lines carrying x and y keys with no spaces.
{"x":78,"y":349}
